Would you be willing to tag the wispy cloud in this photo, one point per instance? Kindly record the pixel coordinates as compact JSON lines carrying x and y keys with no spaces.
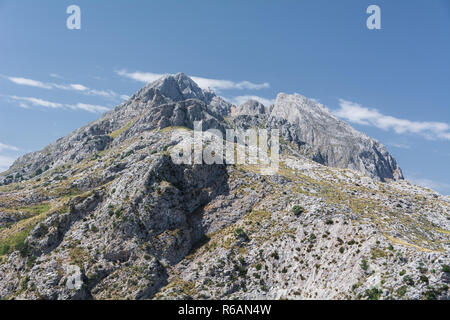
{"x":204,"y":83}
{"x":7,"y":147}
{"x":36,"y":102}
{"x":55,"y":75}
{"x":88,"y":107}
{"x":29,"y":82}
{"x":5,"y":162}
{"x":69,"y":87}
{"x":242,"y":99}
{"x":73,"y":87}
{"x":356,"y":113}
{"x":25,"y":102}
{"x":399,"y":145}
{"x":86,"y":90}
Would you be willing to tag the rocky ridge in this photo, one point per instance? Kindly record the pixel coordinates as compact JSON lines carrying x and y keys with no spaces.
{"x":107,"y":206}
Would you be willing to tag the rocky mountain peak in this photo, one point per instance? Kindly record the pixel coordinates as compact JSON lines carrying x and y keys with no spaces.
{"x":176,"y":100}
{"x":330,"y":140}
{"x":251,"y":108}
{"x":177,"y":87}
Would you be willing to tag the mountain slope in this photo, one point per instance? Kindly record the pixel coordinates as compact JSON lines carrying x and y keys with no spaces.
{"x":115,"y":214}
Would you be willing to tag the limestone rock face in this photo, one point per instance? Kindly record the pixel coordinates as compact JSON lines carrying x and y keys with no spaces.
{"x":333,"y":142}
{"x":106,"y":213}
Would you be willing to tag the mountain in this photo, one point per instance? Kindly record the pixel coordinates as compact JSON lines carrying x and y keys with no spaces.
{"x":331,"y":141}
{"x":105,"y":213}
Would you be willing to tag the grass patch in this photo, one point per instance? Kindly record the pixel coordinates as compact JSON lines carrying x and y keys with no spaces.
{"x":13,"y":238}
{"x":118,"y":132}
{"x":16,"y":243}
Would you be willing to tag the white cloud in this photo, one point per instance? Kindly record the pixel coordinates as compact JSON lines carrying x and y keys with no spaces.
{"x":5,"y":162}
{"x":90,"y":108}
{"x":74,"y":87}
{"x":227,"y":84}
{"x":55,"y":75}
{"x":37,"y":102}
{"x":203,"y":83}
{"x":86,"y":90}
{"x":24,"y":101}
{"x":29,"y":82}
{"x":102,"y":93}
{"x":242,"y":99}
{"x":145,"y":77}
{"x":70,"y":87}
{"x":399,"y":145}
{"x":7,"y":147}
{"x":356,"y":113}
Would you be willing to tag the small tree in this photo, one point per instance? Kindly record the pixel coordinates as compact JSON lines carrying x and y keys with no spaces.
{"x":373,"y":294}
{"x":364,"y":265}
{"x":297,"y":210}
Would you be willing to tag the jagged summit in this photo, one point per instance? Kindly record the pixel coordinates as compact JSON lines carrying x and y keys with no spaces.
{"x":176,"y":100}
{"x":177,"y":87}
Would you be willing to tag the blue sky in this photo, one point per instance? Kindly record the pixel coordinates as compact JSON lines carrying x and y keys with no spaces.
{"x":392,"y":84}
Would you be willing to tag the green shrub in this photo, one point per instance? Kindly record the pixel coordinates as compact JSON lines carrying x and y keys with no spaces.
{"x":242,"y":271}
{"x":25,"y":282}
{"x":364,"y":265}
{"x":408,"y":280}
{"x":401,"y":291}
{"x":275,"y":255}
{"x":373,"y":294}
{"x":297,"y":210}
{"x":445,"y":268}
{"x":430,"y":294}
{"x":424,"y":279}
